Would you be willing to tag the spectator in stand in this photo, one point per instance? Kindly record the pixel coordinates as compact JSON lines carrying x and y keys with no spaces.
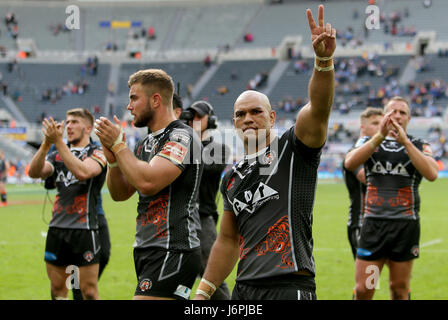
{"x":190,"y":88}
{"x":151,"y":34}
{"x":14,"y":32}
{"x":442,"y":52}
{"x":111,"y":46}
{"x":222,"y":90}
{"x":111,"y":89}
{"x":143,"y":32}
{"x":258,"y":81}
{"x":5,"y":88}
{"x":248,"y":37}
{"x":12,"y":65}
{"x":208,"y":60}
{"x":94,"y":67}
{"x":10,"y":18}
{"x":343,"y":108}
{"x":301,"y":66}
{"x":287,"y":106}
{"x":96,"y":111}
{"x":2,"y":51}
{"x":234,"y":74}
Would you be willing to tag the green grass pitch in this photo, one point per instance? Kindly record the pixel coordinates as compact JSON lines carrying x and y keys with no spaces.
{"x":23,"y":229}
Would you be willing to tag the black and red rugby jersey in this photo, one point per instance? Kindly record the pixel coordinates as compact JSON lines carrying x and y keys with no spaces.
{"x":75,"y":205}
{"x":272,"y":194}
{"x":393,"y":181}
{"x":170,"y":219}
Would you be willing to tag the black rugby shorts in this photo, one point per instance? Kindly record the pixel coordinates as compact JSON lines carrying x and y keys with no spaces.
{"x":397,"y":240}
{"x":166,"y":274}
{"x":72,"y":247}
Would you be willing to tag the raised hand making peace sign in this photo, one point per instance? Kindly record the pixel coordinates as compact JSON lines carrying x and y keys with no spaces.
{"x":323,"y":36}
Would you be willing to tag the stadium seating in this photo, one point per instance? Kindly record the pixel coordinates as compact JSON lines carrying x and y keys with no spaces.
{"x":149,"y":16}
{"x":437,"y":67}
{"x":291,"y":86}
{"x":202,"y":26}
{"x":212,"y":26}
{"x":35,"y":21}
{"x":182,"y":28}
{"x":197,"y":26}
{"x":392,"y":69}
{"x":29,"y":81}
{"x":243,"y":71}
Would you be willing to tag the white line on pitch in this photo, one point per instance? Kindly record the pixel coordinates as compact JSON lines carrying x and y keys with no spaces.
{"x":430,"y":243}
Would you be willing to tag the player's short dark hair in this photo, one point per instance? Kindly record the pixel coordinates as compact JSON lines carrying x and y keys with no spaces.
{"x":154,"y":80}
{"x":371,"y":111}
{"x":177,"y":101}
{"x":82,"y":113}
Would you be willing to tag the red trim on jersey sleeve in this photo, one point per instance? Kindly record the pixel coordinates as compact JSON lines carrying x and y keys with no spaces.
{"x":99,"y":157}
{"x":174,"y":151}
{"x":427,"y":150}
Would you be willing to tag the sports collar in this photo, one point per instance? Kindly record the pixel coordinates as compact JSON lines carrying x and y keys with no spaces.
{"x":158,"y":132}
{"x":257,"y":154}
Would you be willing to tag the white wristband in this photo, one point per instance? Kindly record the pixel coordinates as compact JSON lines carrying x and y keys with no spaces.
{"x":323,"y":69}
{"x":119,"y":138}
{"x":209,"y":283}
{"x":324,"y":58}
{"x":112,"y":165}
{"x":203,"y":293}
